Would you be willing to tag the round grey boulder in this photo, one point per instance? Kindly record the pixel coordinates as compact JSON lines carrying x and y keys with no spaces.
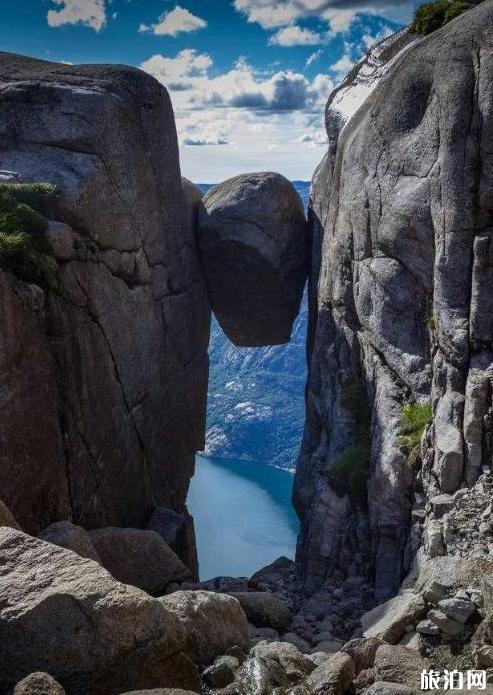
{"x":254,"y":248}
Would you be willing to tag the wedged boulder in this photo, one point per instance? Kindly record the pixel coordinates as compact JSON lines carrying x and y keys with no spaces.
{"x":389,"y":620}
{"x":7,"y":518}
{"x":72,"y":537}
{"x":137,"y":557}
{"x":333,"y":677}
{"x":38,"y":684}
{"x":213,"y":623}
{"x":254,"y":247}
{"x":397,"y":664}
{"x":264,"y":609}
{"x":66,"y":616}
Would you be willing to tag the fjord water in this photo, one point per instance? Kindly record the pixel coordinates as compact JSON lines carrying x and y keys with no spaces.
{"x":243,"y":516}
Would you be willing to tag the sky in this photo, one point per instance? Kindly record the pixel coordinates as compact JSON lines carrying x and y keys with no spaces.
{"x":248,"y":79}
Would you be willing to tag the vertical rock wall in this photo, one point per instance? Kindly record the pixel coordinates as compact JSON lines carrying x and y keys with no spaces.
{"x":402,"y":209}
{"x":117,"y":361}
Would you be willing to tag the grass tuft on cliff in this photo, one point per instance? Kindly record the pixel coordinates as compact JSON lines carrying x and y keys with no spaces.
{"x":434,"y":15}
{"x":349,"y":474}
{"x":415,"y":417}
{"x":24,"y":250}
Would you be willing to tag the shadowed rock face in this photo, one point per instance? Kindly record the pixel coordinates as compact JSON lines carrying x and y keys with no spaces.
{"x":253,"y":242}
{"x":117,"y":362}
{"x":402,"y":210}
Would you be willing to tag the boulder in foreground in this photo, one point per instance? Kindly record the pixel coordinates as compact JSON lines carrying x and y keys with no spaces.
{"x":39,"y":684}
{"x":65,"y":615}
{"x":254,"y":247}
{"x":213,"y":623}
{"x":137,"y":557}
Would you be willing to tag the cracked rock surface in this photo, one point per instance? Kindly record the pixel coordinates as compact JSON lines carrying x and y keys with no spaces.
{"x":113,"y":370}
{"x":402,"y":219}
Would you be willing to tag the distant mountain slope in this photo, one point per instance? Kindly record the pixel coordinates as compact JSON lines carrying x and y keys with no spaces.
{"x":256,"y":395}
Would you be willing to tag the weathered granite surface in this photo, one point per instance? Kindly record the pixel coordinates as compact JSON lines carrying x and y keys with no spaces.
{"x":113,"y":371}
{"x":402,"y":212}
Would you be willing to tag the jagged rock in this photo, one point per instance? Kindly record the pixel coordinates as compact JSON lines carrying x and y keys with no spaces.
{"x":224,"y":584}
{"x":270,"y":666}
{"x":65,"y":615}
{"x":213,"y":623}
{"x":179,"y":533}
{"x":294,"y":664}
{"x":38,"y":684}
{"x":113,"y":371}
{"x":137,"y":557}
{"x":441,"y":576}
{"x":264,"y":609}
{"x":274,"y":577}
{"x":389,"y":620}
{"x":402,"y":300}
{"x":7,"y":518}
{"x":427,"y":627}
{"x":362,"y":651}
{"x":484,"y":656}
{"x":318,"y":658}
{"x":397,"y":664}
{"x":72,"y":537}
{"x":446,"y":624}
{"x":441,"y":504}
{"x":333,"y":677}
{"x":458,"y":609}
{"x":254,"y":247}
{"x":221,"y":673}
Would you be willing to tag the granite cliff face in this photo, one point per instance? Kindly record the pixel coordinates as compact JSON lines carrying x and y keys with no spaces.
{"x":401,"y":218}
{"x":104,"y":384}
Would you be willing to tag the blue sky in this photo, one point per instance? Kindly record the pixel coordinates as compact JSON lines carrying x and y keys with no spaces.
{"x":248,"y":78}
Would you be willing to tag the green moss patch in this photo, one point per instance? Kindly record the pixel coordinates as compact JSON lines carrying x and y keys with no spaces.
{"x":415,"y":417}
{"x":24,"y":250}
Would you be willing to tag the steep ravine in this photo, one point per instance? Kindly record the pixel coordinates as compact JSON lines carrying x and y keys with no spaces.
{"x":103,"y":380}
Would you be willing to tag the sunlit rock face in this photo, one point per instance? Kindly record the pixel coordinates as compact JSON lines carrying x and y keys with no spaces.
{"x":117,"y":361}
{"x":254,"y":248}
{"x":401,"y":219}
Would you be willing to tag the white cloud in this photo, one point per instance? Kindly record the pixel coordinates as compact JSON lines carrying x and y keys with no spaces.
{"x":90,"y":13}
{"x":272,"y":14}
{"x":245,"y":111}
{"x":295,"y":36}
{"x":177,"y":21}
{"x":313,"y":57}
{"x":340,"y":20}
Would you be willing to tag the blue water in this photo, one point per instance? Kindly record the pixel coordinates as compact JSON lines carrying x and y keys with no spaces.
{"x":243,"y":516}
